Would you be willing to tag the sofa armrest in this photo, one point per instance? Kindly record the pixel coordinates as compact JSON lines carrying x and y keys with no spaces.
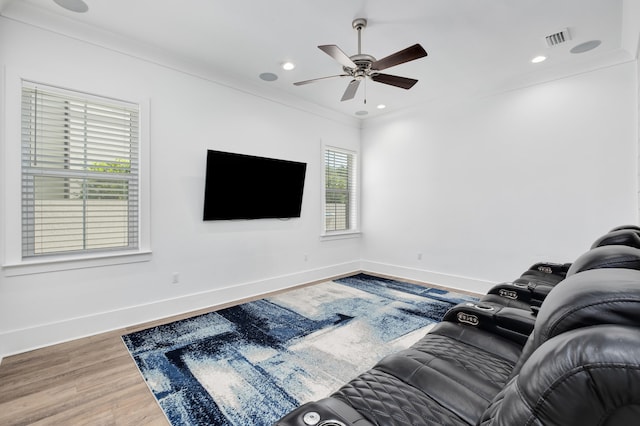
{"x":551,"y":268}
{"x":517,"y":320}
{"x":511,"y":323}
{"x":324,"y":412}
{"x":529,"y":293}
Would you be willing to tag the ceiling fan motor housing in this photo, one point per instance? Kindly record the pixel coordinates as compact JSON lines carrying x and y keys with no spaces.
{"x":363,"y":65}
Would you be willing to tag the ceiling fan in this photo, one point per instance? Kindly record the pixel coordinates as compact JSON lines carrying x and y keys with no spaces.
{"x":361,"y":66}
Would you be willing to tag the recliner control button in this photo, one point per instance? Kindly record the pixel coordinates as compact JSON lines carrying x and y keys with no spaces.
{"x":510,"y":294}
{"x":311,"y":418}
{"x":466,"y":318}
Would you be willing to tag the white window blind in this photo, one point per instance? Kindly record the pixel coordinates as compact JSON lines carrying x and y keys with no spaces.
{"x":340,"y":191}
{"x":79,"y":172}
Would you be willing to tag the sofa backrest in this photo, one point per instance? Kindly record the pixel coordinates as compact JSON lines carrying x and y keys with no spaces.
{"x":581,"y":363}
{"x":609,"y":256}
{"x":588,"y":376}
{"x":618,"y":228}
{"x":592,"y":297}
{"x":623,"y":237}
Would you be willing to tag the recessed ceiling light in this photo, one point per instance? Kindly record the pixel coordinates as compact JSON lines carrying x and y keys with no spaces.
{"x":268,"y":76}
{"x":362,"y":112}
{"x":78,"y":6}
{"x":382,"y":106}
{"x":538,"y":59}
{"x":586,"y":46}
{"x":288,"y":66}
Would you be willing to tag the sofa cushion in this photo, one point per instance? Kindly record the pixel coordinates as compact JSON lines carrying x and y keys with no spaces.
{"x":387,"y":400}
{"x":460,"y":368}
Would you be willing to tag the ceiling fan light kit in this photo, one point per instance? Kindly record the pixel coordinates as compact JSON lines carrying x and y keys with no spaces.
{"x":360,"y":66}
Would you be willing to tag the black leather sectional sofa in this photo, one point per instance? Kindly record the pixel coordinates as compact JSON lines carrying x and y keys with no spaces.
{"x":533,"y":286}
{"x":574,"y":360}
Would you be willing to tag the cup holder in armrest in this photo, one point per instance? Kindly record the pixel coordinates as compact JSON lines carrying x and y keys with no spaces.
{"x":313,"y":418}
{"x":325,"y":412}
{"x":484,"y":307}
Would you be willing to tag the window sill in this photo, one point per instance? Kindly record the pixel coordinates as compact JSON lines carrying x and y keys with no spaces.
{"x":55,"y":264}
{"x":340,"y":235}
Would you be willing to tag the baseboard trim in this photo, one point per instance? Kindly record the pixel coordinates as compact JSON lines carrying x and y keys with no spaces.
{"x":27,"y":339}
{"x":23,"y":340}
{"x":454,"y":282}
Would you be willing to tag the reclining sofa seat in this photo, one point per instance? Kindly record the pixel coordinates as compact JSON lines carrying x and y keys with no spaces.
{"x":517,"y":324}
{"x":549,"y":273}
{"x":580,"y":366}
{"x":533,"y":286}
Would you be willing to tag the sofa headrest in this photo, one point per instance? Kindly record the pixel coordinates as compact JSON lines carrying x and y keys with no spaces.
{"x":611,"y":256}
{"x":623,"y":237}
{"x":627,"y":227}
{"x":601,"y":296}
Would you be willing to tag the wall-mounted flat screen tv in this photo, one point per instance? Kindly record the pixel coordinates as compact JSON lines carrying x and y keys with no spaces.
{"x":239,"y":186}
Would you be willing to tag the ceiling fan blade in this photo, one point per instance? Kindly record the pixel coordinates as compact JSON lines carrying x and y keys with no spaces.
{"x":394,"y":80}
{"x":409,"y":54}
{"x":336,"y":53}
{"x":352,"y":88}
{"x":300,"y":83}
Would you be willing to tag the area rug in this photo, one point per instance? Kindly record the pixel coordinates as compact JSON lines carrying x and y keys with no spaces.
{"x":252,"y":363}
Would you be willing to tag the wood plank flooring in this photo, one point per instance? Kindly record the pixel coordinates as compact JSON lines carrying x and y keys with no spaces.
{"x":89,"y":381}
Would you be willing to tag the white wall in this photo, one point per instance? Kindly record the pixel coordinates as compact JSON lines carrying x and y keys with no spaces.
{"x":217,"y":261}
{"x":480,"y":188}
{"x":630,"y":26}
{"x":484,"y":188}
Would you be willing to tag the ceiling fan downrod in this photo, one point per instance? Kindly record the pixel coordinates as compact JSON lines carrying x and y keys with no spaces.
{"x":358,"y":24}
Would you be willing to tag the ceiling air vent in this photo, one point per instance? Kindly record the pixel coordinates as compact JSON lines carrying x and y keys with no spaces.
{"x":558,"y":38}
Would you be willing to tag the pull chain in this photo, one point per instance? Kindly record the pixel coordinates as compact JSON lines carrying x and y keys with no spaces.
{"x":365,"y":91}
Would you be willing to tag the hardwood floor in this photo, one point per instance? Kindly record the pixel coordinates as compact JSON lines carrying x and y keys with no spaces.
{"x":89,"y":381}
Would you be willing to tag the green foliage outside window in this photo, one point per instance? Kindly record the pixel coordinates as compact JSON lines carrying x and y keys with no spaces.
{"x":106,"y":189}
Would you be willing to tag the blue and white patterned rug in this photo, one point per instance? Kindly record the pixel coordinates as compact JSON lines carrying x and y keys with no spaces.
{"x":252,"y":363}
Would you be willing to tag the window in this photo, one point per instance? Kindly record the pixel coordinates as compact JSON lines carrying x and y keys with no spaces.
{"x":79,"y":172}
{"x":340,"y":191}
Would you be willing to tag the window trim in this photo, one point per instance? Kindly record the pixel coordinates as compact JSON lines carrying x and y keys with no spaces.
{"x":77,"y":130}
{"x":354,"y":231}
{"x":11,"y":221}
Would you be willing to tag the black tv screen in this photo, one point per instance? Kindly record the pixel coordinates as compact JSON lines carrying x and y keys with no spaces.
{"x":239,"y":186}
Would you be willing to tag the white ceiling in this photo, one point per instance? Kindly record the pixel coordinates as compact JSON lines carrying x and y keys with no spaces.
{"x":475,"y":47}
